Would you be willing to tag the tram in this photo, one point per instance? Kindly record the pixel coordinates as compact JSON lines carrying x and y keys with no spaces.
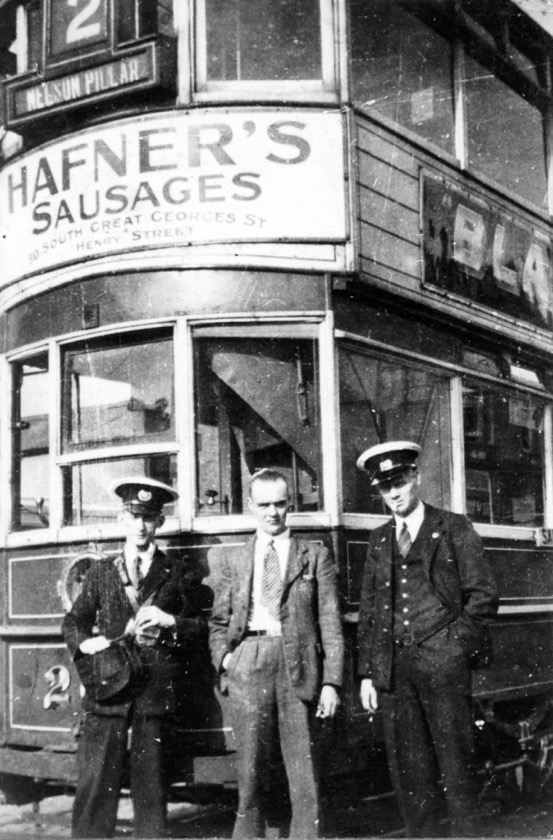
{"x":235,"y":237}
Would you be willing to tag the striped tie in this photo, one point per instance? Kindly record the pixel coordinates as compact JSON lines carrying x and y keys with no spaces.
{"x":404,"y":541}
{"x":271,"y":586}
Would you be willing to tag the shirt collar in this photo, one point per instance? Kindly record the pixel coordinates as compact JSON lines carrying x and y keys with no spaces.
{"x":264,"y":538}
{"x":413,"y":520}
{"x":131,"y":555}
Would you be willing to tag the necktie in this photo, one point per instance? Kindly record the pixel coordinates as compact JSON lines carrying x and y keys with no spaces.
{"x":404,"y":541}
{"x":138,"y":576}
{"x":271,"y":584}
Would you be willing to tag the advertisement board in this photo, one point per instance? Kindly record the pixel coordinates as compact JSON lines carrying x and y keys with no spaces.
{"x":178,"y":179}
{"x":474,"y":249}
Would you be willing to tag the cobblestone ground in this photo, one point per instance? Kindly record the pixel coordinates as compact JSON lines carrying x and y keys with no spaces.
{"x":210,"y":814}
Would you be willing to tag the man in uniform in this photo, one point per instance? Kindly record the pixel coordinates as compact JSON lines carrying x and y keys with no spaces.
{"x":426,"y":600}
{"x":276,"y":636}
{"x":142,"y":595}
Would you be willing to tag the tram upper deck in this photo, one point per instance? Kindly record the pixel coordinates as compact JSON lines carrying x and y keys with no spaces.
{"x":233,"y":241}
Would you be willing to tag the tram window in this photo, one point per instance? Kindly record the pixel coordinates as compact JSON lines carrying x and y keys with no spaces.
{"x":117,"y":392}
{"x":139,"y":18}
{"x":402,"y":69}
{"x":505,"y":134}
{"x":87,"y":499}
{"x":276,"y":40}
{"x":30,"y":444}
{"x":256,"y":406}
{"x":503,"y":455}
{"x":383,"y":400}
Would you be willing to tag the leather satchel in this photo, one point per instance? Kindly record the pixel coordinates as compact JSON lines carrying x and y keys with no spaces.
{"x":106,"y":673}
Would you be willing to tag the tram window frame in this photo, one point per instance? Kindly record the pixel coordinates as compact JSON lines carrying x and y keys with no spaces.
{"x":402,"y":365}
{"x":486,"y":488}
{"x":503,"y":55}
{"x":39,"y":513}
{"x":323,"y":89}
{"x":300,"y":332}
{"x":71,"y":458}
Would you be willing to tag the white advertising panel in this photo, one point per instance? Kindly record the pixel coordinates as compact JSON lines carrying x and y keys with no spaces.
{"x":171,"y":180}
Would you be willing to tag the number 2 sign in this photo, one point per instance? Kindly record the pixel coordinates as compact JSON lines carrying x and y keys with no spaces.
{"x":77,"y":26}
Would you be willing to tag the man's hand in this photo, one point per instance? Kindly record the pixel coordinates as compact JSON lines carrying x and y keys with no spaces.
{"x":368,"y":695}
{"x":328,"y":702}
{"x":148,"y":617}
{"x":94,"y":644}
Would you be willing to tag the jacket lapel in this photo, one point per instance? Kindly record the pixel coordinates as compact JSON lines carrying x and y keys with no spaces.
{"x":244,"y":574}
{"x":298,"y":559}
{"x":158,"y":573}
{"x":429,"y":536}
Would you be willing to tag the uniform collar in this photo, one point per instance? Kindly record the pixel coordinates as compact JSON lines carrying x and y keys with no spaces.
{"x":413,"y":521}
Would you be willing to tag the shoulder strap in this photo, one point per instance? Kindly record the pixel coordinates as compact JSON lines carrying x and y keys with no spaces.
{"x":130,"y":591}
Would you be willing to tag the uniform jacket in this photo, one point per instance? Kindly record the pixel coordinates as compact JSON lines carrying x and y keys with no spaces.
{"x":453,"y":560}
{"x":310,"y":614}
{"x":103,"y":603}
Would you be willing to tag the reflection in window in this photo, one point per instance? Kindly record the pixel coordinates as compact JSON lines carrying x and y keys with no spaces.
{"x":278,"y":39}
{"x":402,"y":69}
{"x":505,"y":134}
{"x":382,"y":400}
{"x":30,"y":443}
{"x":503,"y":455}
{"x":256,"y":406}
{"x":118,"y":393}
{"x":87,"y":499}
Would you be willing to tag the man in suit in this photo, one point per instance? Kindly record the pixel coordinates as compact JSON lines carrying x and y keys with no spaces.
{"x":141,"y":594}
{"x":276,"y":636}
{"x":426,"y":600}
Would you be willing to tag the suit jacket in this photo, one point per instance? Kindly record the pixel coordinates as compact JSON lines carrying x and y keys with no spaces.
{"x":103,"y":603}
{"x":310,"y":614}
{"x":454,"y":563}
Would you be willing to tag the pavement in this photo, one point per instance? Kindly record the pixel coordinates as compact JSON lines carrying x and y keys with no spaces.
{"x":209,"y":813}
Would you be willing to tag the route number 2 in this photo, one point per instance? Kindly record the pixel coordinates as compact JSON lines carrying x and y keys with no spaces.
{"x":77,"y":25}
{"x":79,"y":29}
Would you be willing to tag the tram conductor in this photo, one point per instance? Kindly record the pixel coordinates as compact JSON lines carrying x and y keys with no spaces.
{"x":276,"y":639}
{"x":139,"y":597}
{"x":426,"y":600}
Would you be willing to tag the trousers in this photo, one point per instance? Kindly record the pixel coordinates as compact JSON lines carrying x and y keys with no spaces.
{"x":264,"y":704}
{"x":100,"y":758}
{"x":427,"y":721}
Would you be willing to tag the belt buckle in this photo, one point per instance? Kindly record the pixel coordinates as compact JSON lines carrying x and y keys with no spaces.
{"x":406,"y":639}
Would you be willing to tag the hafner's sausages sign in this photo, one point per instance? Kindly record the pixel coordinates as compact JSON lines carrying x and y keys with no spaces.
{"x":174,"y":180}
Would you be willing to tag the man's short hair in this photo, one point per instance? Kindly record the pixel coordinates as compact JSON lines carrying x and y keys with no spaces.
{"x":267,"y":474}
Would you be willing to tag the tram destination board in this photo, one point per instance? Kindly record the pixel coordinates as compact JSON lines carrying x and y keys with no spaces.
{"x":87,"y":52}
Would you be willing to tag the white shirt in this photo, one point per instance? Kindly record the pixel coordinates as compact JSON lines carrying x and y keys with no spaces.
{"x":146,"y":557}
{"x":413,"y":522}
{"x":259,"y":618}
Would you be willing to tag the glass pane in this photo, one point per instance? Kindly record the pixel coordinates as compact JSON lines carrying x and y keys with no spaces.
{"x":30,"y":442}
{"x":256,"y":406}
{"x":118,"y":393}
{"x":384,"y":400}
{"x":505,"y":134}
{"x":271,"y":39}
{"x":86,"y":494}
{"x":402,"y":69}
{"x":503,"y":456}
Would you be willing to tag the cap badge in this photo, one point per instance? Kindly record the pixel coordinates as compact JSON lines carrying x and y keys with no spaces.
{"x":144,"y":496}
{"x":386,"y":465}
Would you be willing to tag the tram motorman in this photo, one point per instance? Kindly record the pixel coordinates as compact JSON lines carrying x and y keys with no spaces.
{"x":427,"y":597}
{"x":276,"y":638}
{"x":141,"y":597}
